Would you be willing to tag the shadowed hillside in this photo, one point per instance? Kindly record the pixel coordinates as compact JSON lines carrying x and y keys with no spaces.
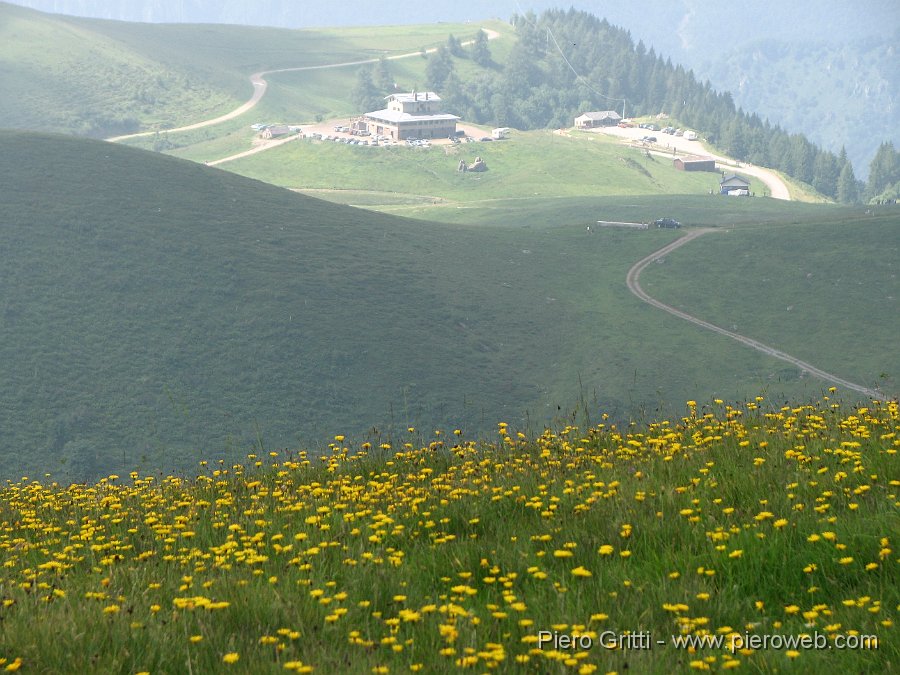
{"x":156,"y":306}
{"x":156,"y":312}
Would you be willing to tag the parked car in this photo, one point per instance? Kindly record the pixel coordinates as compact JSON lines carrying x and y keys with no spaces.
{"x":666,"y":222}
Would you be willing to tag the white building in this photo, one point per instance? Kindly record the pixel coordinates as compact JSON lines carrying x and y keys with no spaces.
{"x":412,"y":115}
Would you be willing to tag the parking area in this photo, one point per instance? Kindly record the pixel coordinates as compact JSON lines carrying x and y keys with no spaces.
{"x":338,"y":131}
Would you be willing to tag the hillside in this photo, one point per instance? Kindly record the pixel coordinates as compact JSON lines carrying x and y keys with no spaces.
{"x":157,"y":311}
{"x":530,"y":164}
{"x":704,"y":535}
{"x":155,"y":308}
{"x":105,"y":78}
{"x":815,"y":289}
{"x":785,"y":80}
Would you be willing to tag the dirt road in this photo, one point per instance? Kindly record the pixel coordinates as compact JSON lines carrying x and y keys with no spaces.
{"x":632,"y":280}
{"x":777,"y":187}
{"x":259,"y":89}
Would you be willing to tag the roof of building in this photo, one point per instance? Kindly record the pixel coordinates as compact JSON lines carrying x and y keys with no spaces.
{"x":601,"y":115}
{"x":395,"y":116}
{"x":413,"y":96}
{"x":695,"y":158}
{"x":734,"y":178}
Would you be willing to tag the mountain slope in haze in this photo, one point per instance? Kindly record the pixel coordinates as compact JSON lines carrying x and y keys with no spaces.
{"x":105,"y":78}
{"x":787,"y":81}
{"x":156,"y":312}
{"x":791,"y":86}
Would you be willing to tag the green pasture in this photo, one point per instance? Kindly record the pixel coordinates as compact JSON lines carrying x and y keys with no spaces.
{"x":158,"y":311}
{"x":700,"y":210}
{"x":110,"y":77}
{"x":529,"y":164}
{"x":825,"y":292}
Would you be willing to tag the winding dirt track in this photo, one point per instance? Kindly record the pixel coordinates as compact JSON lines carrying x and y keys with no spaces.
{"x":259,"y":89}
{"x":632,"y":280}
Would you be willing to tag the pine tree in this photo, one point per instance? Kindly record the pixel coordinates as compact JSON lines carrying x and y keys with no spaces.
{"x":481,"y":53}
{"x":438,"y":69}
{"x":365,"y":94}
{"x":384,"y":78}
{"x":826,"y":173}
{"x":847,"y":191}
{"x":884,"y":171}
{"x":454,"y":46}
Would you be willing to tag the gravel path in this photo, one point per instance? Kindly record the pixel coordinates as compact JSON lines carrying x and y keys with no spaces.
{"x":777,"y":187}
{"x":260,"y":85}
{"x":632,"y":280}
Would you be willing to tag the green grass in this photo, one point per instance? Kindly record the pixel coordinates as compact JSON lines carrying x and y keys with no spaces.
{"x":302,"y":97}
{"x":441,"y":554}
{"x":156,"y":311}
{"x":529,"y":164}
{"x":110,"y":77}
{"x":816,"y":290}
{"x":703,"y":210}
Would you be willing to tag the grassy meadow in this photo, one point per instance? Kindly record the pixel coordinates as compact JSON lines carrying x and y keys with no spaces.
{"x":252,"y":429}
{"x":111,"y":77}
{"x":157,"y":312}
{"x":533,"y":164}
{"x":795,"y":287}
{"x":436,"y":553}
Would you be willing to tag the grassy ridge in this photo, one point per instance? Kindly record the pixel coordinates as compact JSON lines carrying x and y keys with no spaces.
{"x":441,"y":554}
{"x":301,"y":97}
{"x":108,"y":77}
{"x":156,"y":311}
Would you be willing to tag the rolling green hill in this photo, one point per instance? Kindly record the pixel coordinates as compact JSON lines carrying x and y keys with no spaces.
{"x":529,"y":164}
{"x":157,"y":311}
{"x":103,"y":78}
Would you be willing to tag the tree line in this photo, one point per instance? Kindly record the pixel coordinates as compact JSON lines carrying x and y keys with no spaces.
{"x":565,"y":63}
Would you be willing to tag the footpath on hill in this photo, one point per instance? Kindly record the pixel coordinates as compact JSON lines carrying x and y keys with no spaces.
{"x":260,"y":85}
{"x":632,"y":280}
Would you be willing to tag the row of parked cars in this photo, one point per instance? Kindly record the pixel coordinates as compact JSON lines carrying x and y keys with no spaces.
{"x":343,"y":139}
{"x":689,"y":135}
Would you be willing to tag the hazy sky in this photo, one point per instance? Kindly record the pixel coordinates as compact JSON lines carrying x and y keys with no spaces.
{"x":672,"y":26}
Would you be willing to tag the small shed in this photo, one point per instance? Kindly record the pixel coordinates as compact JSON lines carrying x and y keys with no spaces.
{"x":276,"y":131}
{"x":693,"y":163}
{"x":603,"y":118}
{"x":734,"y":185}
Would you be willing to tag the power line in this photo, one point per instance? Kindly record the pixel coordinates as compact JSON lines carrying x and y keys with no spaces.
{"x":569,"y":63}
